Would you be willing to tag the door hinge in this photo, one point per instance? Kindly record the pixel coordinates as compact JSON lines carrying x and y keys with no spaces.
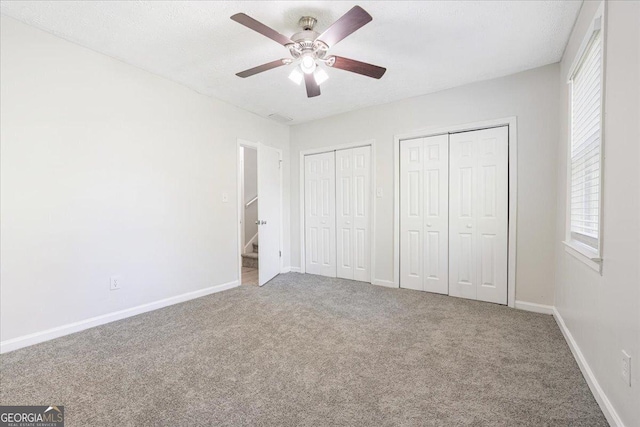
{"x":280,"y":254}
{"x":279,"y":164}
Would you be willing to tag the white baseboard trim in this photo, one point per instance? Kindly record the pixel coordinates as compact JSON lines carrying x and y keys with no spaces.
{"x":49,"y":334}
{"x":385,"y":283}
{"x":536,"y":308}
{"x":295,"y":269}
{"x":285,"y":270}
{"x":605,"y":404}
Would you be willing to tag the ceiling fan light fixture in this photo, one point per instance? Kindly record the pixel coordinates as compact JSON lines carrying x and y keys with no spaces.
{"x":320,"y":75}
{"x":296,"y":76}
{"x":307,"y":64}
{"x":309,"y":49}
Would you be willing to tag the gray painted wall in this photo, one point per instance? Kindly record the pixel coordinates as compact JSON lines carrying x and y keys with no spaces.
{"x":132,"y":186}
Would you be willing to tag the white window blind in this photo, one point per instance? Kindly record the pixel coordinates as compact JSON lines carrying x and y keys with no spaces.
{"x":586,"y":125}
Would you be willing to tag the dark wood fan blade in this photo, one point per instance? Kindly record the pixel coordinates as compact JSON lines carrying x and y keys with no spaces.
{"x":358,"y":67}
{"x":264,"y":67}
{"x":347,"y":24}
{"x":312,"y":87}
{"x":259,"y":27}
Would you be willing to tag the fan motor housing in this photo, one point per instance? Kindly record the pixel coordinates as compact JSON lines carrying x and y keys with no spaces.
{"x":305,"y":41}
{"x":304,"y":36}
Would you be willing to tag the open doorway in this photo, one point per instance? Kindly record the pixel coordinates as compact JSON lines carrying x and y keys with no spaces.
{"x":259,"y":213}
{"x":249,"y":210}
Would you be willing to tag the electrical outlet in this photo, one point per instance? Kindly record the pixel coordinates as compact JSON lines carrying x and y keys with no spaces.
{"x":626,"y":368}
{"x":379,"y":192}
{"x":116,"y":283}
{"x":225,"y":197}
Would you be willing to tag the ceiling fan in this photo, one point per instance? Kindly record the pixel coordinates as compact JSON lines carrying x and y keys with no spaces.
{"x":308,"y":48}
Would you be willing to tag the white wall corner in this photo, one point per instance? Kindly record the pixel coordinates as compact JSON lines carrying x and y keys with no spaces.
{"x":605,"y":404}
{"x":536,"y":308}
{"x":70,"y":328}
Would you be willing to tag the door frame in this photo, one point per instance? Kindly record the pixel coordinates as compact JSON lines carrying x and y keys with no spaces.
{"x":511,"y":123}
{"x":240,"y":202}
{"x":372,"y":220}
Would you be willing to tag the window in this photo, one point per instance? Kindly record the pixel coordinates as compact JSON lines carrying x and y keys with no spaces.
{"x":585,"y":184}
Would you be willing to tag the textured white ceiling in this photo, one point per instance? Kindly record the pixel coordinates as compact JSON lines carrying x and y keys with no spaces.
{"x":425,"y":46}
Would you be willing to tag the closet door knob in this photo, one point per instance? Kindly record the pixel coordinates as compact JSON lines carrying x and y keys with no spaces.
{"x":469,"y":225}
{"x":428,"y":224}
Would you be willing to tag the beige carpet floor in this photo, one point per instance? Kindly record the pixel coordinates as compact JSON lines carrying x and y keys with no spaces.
{"x":310,"y":351}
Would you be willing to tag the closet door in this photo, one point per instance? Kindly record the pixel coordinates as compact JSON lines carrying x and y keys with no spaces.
{"x":478,"y":215}
{"x":320,"y":214}
{"x":353,"y":176}
{"x":424,"y":214}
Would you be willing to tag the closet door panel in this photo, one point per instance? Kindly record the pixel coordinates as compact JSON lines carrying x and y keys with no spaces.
{"x":412,"y":218}
{"x":361,"y":213}
{"x":492,"y":212}
{"x":478,"y":224}
{"x":353,"y":200}
{"x":436,"y":214}
{"x":344,"y":212}
{"x":320,"y":214}
{"x":424,"y":214}
{"x":462,"y":221}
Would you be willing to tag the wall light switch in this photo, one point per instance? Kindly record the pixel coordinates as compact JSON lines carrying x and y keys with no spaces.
{"x":225,"y":197}
{"x":379,"y":192}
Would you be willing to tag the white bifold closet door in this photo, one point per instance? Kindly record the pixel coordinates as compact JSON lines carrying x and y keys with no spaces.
{"x":424,"y":214}
{"x":478,"y":214}
{"x":353,"y":175}
{"x":320,"y":214}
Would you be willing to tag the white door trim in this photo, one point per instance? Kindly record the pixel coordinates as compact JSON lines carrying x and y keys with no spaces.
{"x":240,"y":202}
{"x":513,"y":190}
{"x":241,"y":208}
{"x":372,"y":144}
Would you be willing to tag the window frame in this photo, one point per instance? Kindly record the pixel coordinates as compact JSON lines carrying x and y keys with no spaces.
{"x":585,"y":253}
